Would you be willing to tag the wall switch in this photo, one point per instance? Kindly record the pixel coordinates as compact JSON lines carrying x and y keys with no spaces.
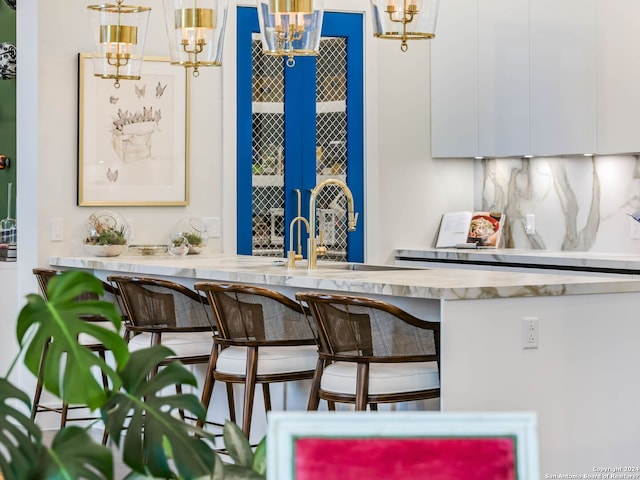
{"x":57,"y":230}
{"x":634,"y":229}
{"x":530,"y":331}
{"x":530,"y":225}
{"x":213,"y":226}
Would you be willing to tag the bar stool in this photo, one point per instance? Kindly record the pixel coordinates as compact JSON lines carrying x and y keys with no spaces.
{"x":163,"y":312}
{"x":43,"y":275}
{"x":263,"y":337}
{"x":371,"y":352}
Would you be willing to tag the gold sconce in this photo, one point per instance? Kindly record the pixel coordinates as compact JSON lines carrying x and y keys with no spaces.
{"x":290,"y":27}
{"x":120,"y":31}
{"x":196,"y":32}
{"x":405,"y":19}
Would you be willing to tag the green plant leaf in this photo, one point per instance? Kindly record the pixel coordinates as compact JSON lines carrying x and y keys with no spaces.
{"x":152,"y":420}
{"x":237,"y":445}
{"x":74,"y":454}
{"x":56,"y":324}
{"x":236,"y":472}
{"x":260,"y":457}
{"x":19,"y":436}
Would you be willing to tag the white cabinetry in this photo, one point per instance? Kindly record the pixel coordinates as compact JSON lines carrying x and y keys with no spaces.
{"x":454,"y":81}
{"x":503,"y":82}
{"x":534,"y":88}
{"x":563,"y":76}
{"x":618,"y":76}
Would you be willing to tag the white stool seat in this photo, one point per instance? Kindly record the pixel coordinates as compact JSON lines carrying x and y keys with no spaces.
{"x":183,"y":344}
{"x":384,"y":378}
{"x":271,"y":360}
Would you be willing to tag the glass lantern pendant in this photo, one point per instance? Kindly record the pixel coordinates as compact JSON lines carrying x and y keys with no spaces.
{"x":196,"y":32}
{"x":120,"y":32}
{"x":405,"y":19}
{"x":290,"y":27}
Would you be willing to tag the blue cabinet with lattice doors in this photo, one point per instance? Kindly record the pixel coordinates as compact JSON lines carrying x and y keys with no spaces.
{"x":296,"y":127}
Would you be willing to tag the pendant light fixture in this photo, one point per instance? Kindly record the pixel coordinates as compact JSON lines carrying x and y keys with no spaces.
{"x":196,"y":32}
{"x":120,"y":31}
{"x":405,"y":19}
{"x":290,"y":27}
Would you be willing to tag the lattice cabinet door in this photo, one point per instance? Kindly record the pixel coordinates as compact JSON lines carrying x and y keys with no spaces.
{"x":296,"y":127}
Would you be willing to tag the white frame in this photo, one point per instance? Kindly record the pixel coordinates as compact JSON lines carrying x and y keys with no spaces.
{"x":283,"y":428}
{"x":123,"y":165}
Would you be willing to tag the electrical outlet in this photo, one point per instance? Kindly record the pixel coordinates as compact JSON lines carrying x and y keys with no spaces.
{"x":530,"y":226}
{"x":530,"y":332}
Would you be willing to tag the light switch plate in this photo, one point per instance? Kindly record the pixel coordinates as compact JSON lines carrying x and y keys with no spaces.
{"x":57,"y":230}
{"x":213,"y":226}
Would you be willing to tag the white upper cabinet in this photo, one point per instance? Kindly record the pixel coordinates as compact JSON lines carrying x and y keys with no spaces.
{"x":503,"y":82}
{"x":563,"y":76}
{"x":534,"y":88}
{"x":454,"y":88}
{"x":618,"y":76}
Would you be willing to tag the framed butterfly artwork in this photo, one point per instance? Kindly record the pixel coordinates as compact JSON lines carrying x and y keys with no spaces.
{"x":132,"y":140}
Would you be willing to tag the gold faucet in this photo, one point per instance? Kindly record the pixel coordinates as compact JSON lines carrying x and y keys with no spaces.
{"x":293,"y":255}
{"x":352,"y":218}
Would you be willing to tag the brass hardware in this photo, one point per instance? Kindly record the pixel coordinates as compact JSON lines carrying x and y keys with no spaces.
{"x":409,"y":12}
{"x":193,"y":24}
{"x":196,"y":18}
{"x":120,"y":38}
{"x":4,"y":162}
{"x":291,"y":6}
{"x":118,"y":34}
{"x":293,"y":255}
{"x":352,"y":219}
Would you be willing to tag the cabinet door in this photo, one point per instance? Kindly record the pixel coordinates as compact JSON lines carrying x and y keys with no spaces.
{"x":296,"y":126}
{"x":454,"y":81}
{"x":503,"y":78}
{"x":563,"y":76}
{"x":618,"y":77}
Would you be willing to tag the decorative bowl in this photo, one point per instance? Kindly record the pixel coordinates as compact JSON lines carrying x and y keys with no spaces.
{"x":105,"y":250}
{"x":195,"y":232}
{"x":107,"y":234}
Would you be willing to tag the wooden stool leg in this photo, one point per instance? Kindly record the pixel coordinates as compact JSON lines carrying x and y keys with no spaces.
{"x":362,"y":386}
{"x":231,"y":402}
{"x":209,"y":380}
{"x":266,"y":396}
{"x":38,"y":392}
{"x":314,"y":395}
{"x":249,"y":389}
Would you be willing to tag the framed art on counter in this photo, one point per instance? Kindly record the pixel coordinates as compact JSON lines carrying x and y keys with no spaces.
{"x":133,"y":140}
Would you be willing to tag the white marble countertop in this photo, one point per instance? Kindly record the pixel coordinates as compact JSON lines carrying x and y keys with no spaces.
{"x":588,"y":261}
{"x":438,"y":283}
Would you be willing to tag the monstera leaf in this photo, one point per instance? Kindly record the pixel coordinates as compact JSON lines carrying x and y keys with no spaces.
{"x":248,"y":464}
{"x":19,"y":436}
{"x":74,"y":454}
{"x":55,"y":325}
{"x":156,"y":439}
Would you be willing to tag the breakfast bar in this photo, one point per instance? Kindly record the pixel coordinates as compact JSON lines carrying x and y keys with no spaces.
{"x":488,"y":363}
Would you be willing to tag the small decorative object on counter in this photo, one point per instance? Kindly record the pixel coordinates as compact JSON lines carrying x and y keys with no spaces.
{"x":178,"y":245}
{"x":195,"y":232}
{"x":107,"y":234}
{"x":8,"y":55}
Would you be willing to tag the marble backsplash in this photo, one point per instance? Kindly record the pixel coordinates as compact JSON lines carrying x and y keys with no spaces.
{"x":579,"y":203}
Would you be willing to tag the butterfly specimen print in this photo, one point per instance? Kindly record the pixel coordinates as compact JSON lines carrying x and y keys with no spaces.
{"x":112,"y":176}
{"x":140,"y":91}
{"x":160,"y":90}
{"x":113,"y":99}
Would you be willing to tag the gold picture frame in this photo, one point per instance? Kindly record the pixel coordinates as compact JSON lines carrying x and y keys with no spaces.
{"x":133,"y":141}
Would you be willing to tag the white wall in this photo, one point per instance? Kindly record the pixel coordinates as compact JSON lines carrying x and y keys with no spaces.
{"x":406,"y":190}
